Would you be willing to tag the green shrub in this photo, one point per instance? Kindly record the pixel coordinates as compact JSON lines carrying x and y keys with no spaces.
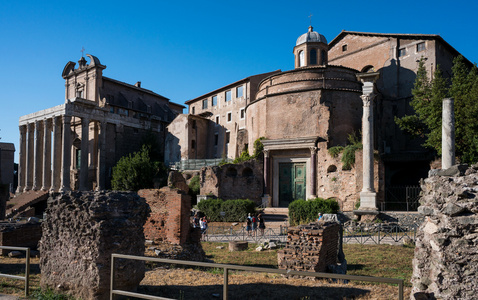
{"x":258,"y":148}
{"x":194,"y":186}
{"x":302,"y":212}
{"x":335,"y":151}
{"x":235,"y":210}
{"x":244,"y":157}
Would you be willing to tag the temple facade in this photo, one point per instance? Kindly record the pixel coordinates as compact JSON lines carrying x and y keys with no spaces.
{"x":74,"y":146}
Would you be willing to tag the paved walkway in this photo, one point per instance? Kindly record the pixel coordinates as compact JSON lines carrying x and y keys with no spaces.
{"x":8,"y":297}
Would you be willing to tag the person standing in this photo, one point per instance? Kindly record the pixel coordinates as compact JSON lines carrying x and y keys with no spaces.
{"x":248,"y":225}
{"x":254,"y":225}
{"x":203,"y":225}
{"x":262,"y":225}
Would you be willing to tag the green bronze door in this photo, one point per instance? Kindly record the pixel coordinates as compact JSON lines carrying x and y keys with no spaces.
{"x":291,"y":182}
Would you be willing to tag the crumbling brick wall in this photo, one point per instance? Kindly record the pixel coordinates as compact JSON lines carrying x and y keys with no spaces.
{"x":170,"y":215}
{"x":234,"y":181}
{"x":19,"y":235}
{"x":81,"y":231}
{"x":445,"y":265}
{"x":310,"y":247}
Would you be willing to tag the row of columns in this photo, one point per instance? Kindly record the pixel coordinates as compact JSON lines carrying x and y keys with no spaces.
{"x":45,"y":155}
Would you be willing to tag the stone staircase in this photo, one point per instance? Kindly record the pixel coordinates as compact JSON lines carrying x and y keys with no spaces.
{"x":275,"y":217}
{"x":23,"y":201}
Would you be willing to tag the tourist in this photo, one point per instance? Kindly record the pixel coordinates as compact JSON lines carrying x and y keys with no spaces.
{"x":254,"y":225}
{"x":249,"y":225}
{"x":262,"y":226}
{"x":320,"y":217}
{"x":196,"y":221}
{"x":203,"y":225}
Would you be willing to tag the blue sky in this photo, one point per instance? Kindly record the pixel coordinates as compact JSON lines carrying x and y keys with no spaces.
{"x":183,"y":49}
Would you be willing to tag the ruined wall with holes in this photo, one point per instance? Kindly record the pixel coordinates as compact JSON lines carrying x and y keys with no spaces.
{"x":445,"y":265}
{"x":234,"y":181}
{"x":81,"y":231}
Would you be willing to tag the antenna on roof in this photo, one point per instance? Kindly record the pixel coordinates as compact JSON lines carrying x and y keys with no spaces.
{"x":82,"y":51}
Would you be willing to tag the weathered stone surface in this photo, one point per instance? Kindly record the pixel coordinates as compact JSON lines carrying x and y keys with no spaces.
{"x":81,"y":231}
{"x":176,"y":180}
{"x":238,"y":246}
{"x":312,"y":247}
{"x":19,"y":234}
{"x":445,"y":265}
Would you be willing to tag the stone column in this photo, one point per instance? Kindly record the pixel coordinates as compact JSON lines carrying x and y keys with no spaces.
{"x":66,"y":154}
{"x":47,"y":155}
{"x":266,"y":199}
{"x":101,"y":166}
{"x":313,"y":172}
{"x":368,"y":194}
{"x":30,"y":143}
{"x":56,"y":164}
{"x":38,"y":157}
{"x":83,"y":186}
{"x":448,"y":134}
{"x":22,"y":158}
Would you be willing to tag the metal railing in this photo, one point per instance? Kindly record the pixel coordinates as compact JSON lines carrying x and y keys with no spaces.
{"x":197,"y":164}
{"x":229,"y":233}
{"x":378,"y":233}
{"x":226,"y":269}
{"x":25,"y":278}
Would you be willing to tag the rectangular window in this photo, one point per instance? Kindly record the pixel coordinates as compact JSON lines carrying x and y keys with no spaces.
{"x":421,"y":46}
{"x":228,"y":137}
{"x":243,"y":113}
{"x":229,"y":117}
{"x":217,"y":120}
{"x":228,"y":96}
{"x":216,"y":139}
{"x":344,"y":48}
{"x":239,"y":91}
{"x":204,"y":104}
{"x":193,"y":110}
{"x":402,"y":52}
{"x":214,"y":100}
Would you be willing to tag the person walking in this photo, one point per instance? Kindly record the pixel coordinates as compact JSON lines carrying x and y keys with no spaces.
{"x":254,"y":225}
{"x":249,"y":225}
{"x":203,"y":225}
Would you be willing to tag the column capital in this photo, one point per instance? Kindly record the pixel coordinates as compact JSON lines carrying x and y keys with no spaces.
{"x":313,"y":150}
{"x":266,"y":152}
{"x":367,"y":99}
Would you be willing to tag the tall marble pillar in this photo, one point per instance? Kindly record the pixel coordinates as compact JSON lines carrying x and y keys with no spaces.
{"x":66,"y":154}
{"x":448,"y":134}
{"x":83,"y":186}
{"x":368,"y":201}
{"x":30,"y":150}
{"x":266,"y":199}
{"x":313,"y":172}
{"x":56,"y":163}
{"x":22,"y":158}
{"x":46,"y":155}
{"x":101,"y":165}
{"x":38,"y":157}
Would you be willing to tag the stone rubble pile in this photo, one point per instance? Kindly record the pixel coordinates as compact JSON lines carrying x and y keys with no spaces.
{"x":311,"y":247}
{"x":81,"y":231}
{"x":445,"y":265}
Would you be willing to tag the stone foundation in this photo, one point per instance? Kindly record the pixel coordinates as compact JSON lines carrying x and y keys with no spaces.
{"x":446,"y":255}
{"x":80,"y":233}
{"x":311,"y":247}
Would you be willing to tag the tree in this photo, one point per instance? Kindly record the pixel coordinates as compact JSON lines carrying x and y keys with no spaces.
{"x":137,"y":171}
{"x":427,"y":103}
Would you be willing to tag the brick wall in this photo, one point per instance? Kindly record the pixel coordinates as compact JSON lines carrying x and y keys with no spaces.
{"x":170,"y":215}
{"x":19,"y":235}
{"x":310,"y":247}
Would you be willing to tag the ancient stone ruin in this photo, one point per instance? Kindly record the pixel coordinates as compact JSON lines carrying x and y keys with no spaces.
{"x":446,"y":255}
{"x":19,"y":234}
{"x":312,"y":248}
{"x":81,"y":231}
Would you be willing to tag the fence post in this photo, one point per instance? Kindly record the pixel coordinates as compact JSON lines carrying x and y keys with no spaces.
{"x":225,"y":288}
{"x":27,"y":272}
{"x":112,"y":276}
{"x":379,"y":229}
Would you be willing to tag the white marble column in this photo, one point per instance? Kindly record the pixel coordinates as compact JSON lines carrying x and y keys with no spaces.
{"x":46,"y":155}
{"x":38,"y":157}
{"x":83,"y":186}
{"x":30,"y":150}
{"x":56,"y":163}
{"x":266,"y":199}
{"x":66,"y":154}
{"x":101,"y":165}
{"x":448,"y":134}
{"x":22,"y":159}
{"x":368,"y":201}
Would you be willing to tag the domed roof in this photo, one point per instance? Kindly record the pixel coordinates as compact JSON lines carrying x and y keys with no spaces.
{"x":311,"y":36}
